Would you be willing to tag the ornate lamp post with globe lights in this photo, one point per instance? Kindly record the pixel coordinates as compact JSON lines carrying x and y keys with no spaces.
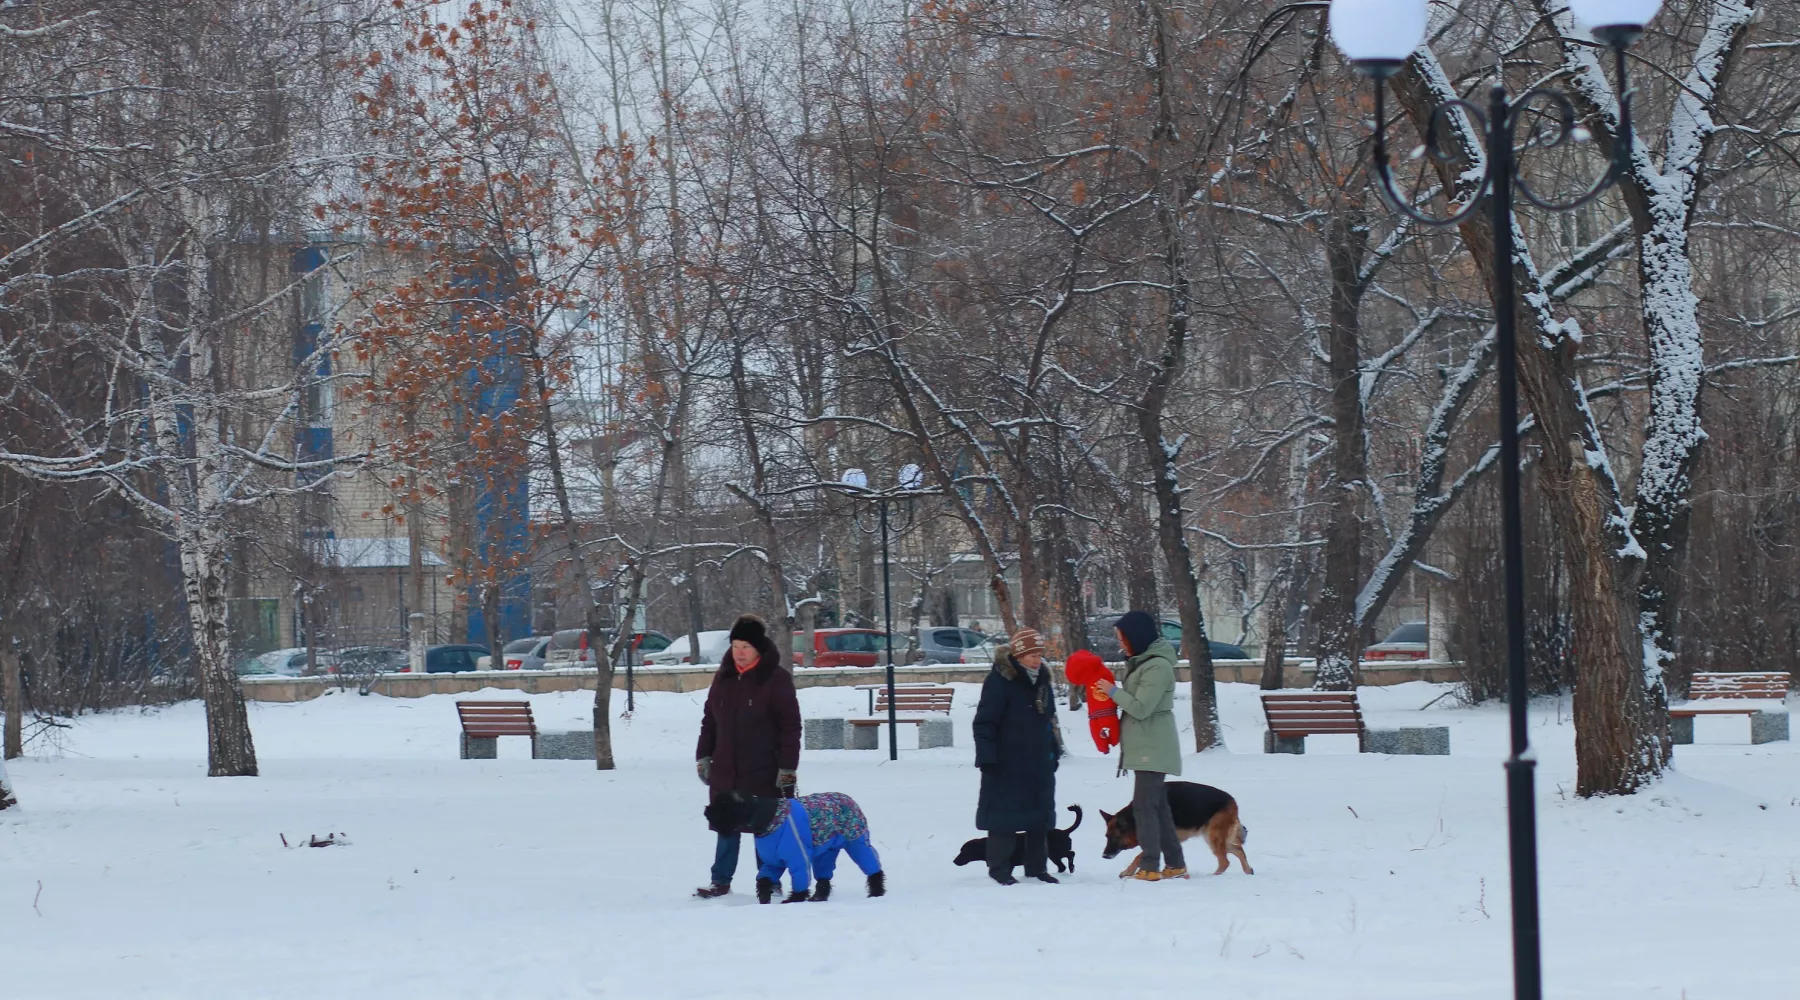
{"x":1378,"y":36}
{"x":908,"y":482}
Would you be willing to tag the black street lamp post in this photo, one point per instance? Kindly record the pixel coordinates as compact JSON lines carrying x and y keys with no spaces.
{"x":856,"y":483}
{"x":1378,"y":36}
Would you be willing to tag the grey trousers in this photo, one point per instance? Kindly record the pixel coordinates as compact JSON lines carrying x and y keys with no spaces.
{"x":1155,"y":823}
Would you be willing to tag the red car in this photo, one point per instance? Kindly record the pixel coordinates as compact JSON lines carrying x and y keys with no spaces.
{"x":848,"y":647}
{"x":1411,"y":641}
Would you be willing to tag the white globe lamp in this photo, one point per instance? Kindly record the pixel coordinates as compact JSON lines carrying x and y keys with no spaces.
{"x":1377,"y":36}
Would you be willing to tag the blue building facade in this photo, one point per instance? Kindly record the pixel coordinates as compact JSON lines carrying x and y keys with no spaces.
{"x":492,"y":389}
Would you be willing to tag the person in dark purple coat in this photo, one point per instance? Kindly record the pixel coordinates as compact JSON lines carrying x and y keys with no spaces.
{"x":749,"y":735}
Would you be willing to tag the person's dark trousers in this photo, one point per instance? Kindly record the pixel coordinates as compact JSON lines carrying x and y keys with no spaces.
{"x":1037,"y":852}
{"x":725,"y":858}
{"x":1155,"y":823}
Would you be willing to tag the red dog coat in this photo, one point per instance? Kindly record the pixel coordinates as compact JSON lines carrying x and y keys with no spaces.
{"x":1086,"y":669}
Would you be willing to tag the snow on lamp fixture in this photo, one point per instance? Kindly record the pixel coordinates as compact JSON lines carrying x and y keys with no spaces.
{"x":856,"y":479}
{"x":1615,"y":22}
{"x":1377,"y":36}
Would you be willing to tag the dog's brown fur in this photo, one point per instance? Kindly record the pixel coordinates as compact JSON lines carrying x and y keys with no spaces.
{"x":1199,"y":811}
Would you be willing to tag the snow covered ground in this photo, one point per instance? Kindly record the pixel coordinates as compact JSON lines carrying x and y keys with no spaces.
{"x":128,"y":873}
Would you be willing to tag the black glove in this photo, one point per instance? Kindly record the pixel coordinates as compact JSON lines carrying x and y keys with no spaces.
{"x":796,"y":897}
{"x":765,"y":889}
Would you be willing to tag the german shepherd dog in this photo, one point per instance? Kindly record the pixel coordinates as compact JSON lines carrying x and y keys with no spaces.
{"x":1061,"y":847}
{"x":1198,"y":810}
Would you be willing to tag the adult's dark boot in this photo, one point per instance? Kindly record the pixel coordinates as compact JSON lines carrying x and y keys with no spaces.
{"x":713,"y":891}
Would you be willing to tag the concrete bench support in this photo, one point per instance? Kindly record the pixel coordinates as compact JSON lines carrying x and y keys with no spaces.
{"x":480,"y":747}
{"x":572,"y":744}
{"x":935,"y":733}
{"x":864,"y":737}
{"x":1681,"y":729}
{"x":1765,"y":727}
{"x":1282,"y":744}
{"x":824,"y":734}
{"x":1428,"y":741}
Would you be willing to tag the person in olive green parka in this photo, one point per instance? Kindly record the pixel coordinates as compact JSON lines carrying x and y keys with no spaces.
{"x":1149,"y":745}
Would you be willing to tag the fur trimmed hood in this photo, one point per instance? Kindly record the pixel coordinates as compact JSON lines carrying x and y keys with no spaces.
{"x":1004,"y":664}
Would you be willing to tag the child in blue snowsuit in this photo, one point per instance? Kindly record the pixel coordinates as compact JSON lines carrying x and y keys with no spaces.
{"x":802,"y":837}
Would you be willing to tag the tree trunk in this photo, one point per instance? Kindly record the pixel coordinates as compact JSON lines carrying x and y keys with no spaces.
{"x":1162,"y":456}
{"x":230,"y":752}
{"x":809,"y":617}
{"x":696,"y":605}
{"x":12,"y":701}
{"x":1275,"y":632}
{"x":1071,"y":609}
{"x":1340,"y":640}
{"x":1620,"y":741}
{"x":1662,"y":205}
{"x":490,"y":610}
{"x":603,"y":682}
{"x":1140,"y":580}
{"x":7,"y":799}
{"x":782,"y":621}
{"x":1032,"y":579}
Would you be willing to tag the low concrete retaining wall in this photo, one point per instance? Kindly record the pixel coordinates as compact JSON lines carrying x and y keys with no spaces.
{"x":1298,"y":673}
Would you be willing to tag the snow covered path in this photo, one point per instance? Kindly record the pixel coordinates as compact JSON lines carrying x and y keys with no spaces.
{"x":1377,"y":877}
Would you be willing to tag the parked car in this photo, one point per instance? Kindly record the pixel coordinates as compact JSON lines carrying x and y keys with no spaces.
{"x":285,"y":663}
{"x":370,"y":660}
{"x":850,"y":647}
{"x":452,"y":659}
{"x":1220,"y":650}
{"x":1411,"y":641}
{"x":569,"y":647}
{"x":954,"y":645}
{"x":1102,"y":640}
{"x":678,"y":650}
{"x":525,"y":654}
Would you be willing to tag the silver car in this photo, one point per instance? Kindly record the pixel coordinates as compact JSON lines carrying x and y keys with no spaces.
{"x":954,"y":645}
{"x":526,"y":654}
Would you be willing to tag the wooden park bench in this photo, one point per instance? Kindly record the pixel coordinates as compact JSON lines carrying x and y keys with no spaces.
{"x":1295,"y":715}
{"x":1725,"y":694}
{"x":908,"y":699}
{"x":483,"y":722}
{"x":932,"y":732}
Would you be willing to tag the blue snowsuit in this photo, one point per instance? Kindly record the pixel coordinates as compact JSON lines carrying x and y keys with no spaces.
{"x":806,"y":836}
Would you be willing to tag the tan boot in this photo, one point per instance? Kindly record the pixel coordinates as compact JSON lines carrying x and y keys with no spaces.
{"x":1146,"y":875}
{"x":1173,"y":872}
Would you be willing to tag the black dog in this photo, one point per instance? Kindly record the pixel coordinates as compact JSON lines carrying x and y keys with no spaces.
{"x":1061,"y":848}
